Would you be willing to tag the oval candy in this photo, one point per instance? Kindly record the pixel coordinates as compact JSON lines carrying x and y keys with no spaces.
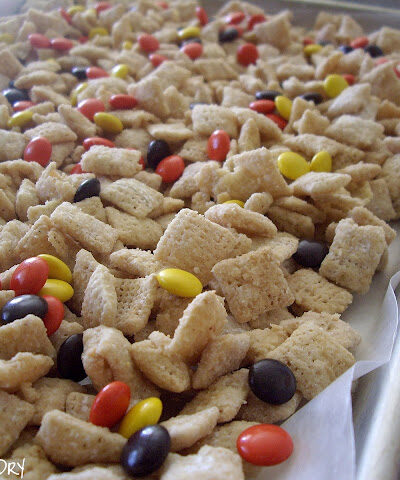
{"x":312,"y":48}
{"x":146,"y":451}
{"x":108,"y":122}
{"x":127,"y":45}
{"x":14,"y":95}
{"x":122,"y":102}
{"x":145,"y":413}
{"x":374,"y":51}
{"x":267,"y":94}
{"x":247,"y":54}
{"x":69,"y":358}
{"x":110,"y":404}
{"x":189,"y":32}
{"x":101,"y":31}
{"x":38,"y":150}
{"x":202,"y":16}
{"x":88,"y":188}
{"x":23,"y":105}
{"x":29,"y":276}
{"x":90,"y":106}
{"x":228,"y":35}
{"x":101,"y":6}
{"x":57,"y":268}
{"x":359,"y":42}
{"x":96,"y":72}
{"x":254,"y":19}
{"x":281,"y":122}
{"x":61,"y":44}
{"x":334,"y":85}
{"x":79,"y":73}
{"x":156,"y":151}
{"x":321,"y":162}
{"x":315,"y":97}
{"x":148,"y":43}
{"x":171,"y":168}
{"x":90,"y":141}
{"x":179,"y":282}
{"x":235,"y":18}
{"x":292,"y":165}
{"x":57,"y":288}
{"x":192,"y":50}
{"x":20,"y":119}
{"x":55,"y":314}
{"x":23,"y":305}
{"x":157,"y":59}
{"x":218,"y":145}
{"x":284,"y":106}
{"x":310,"y":253}
{"x":120,"y":71}
{"x":37,"y":40}
{"x":262,"y":106}
{"x":264,"y":445}
{"x":238,"y":202}
{"x":272,"y":381}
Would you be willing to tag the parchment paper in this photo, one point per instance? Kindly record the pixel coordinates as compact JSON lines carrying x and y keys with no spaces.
{"x":322,"y":431}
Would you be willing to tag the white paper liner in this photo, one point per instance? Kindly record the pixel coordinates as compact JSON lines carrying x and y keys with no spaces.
{"x":322,"y":431}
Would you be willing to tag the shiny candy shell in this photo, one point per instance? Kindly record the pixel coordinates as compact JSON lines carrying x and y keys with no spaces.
{"x":57,"y":288}
{"x":321,"y":162}
{"x":192,"y":50}
{"x":157,"y":59}
{"x":148,"y":43}
{"x":96,"y":72}
{"x":20,"y":119}
{"x":272,"y":381}
{"x":69,"y":358}
{"x":57,"y":268}
{"x":90,"y":107}
{"x":146,"y":451}
{"x":61,"y":44}
{"x":29,"y":276}
{"x":110,"y":404}
{"x":264,"y":445}
{"x":101,"y":31}
{"x":23,"y":105}
{"x":23,"y":305}
{"x":171,"y":168}
{"x":284,"y":106}
{"x":334,"y":85}
{"x":238,"y":202}
{"x":312,"y":48}
{"x":90,"y":141}
{"x":37,"y":40}
{"x":310,"y":253}
{"x":179,"y":282}
{"x":202,"y":16}
{"x":156,"y":151}
{"x":55,"y":314}
{"x":218,"y":145}
{"x":147,"y":412}
{"x":247,"y":54}
{"x":122,"y":102}
{"x":120,"y":71}
{"x":108,"y":122}
{"x":88,"y":188}
{"x":254,"y":19}
{"x":281,"y":122}
{"x":189,"y":32}
{"x":38,"y":150}
{"x":292,"y":165}
{"x":262,"y":106}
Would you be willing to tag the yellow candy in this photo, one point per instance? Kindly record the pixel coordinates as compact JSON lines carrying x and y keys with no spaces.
{"x":108,"y":122}
{"x":321,"y":162}
{"x":127,"y":45}
{"x":284,"y":106}
{"x":120,"y":71}
{"x":91,"y":11}
{"x":147,"y":412}
{"x":98,"y":31}
{"x":20,"y":119}
{"x":238,"y":202}
{"x":292,"y":165}
{"x":57,"y":268}
{"x":179,"y":282}
{"x":73,"y":98}
{"x":6,"y":38}
{"x":57,"y":288}
{"x":311,"y":49}
{"x":189,"y":32}
{"x":81,"y":87}
{"x":75,"y":9}
{"x":334,"y":85}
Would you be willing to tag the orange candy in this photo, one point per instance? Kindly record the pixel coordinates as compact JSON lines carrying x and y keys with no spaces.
{"x":96,"y":72}
{"x":218,"y":145}
{"x":202,"y":16}
{"x":247,"y":54}
{"x":193,"y":50}
{"x":262,"y":106}
{"x":90,"y":107}
{"x":157,"y":59}
{"x":170,"y":168}
{"x":110,"y":404}
{"x":148,"y":43}
{"x":38,"y":150}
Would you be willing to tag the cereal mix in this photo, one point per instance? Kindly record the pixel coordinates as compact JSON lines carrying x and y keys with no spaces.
{"x":188,"y":205}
